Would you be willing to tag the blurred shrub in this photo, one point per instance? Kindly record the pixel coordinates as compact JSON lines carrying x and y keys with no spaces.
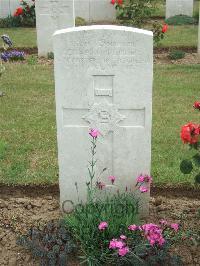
{"x":176,"y":54}
{"x":50,"y":55}
{"x":80,"y":21}
{"x":10,"y":22}
{"x":181,"y":20}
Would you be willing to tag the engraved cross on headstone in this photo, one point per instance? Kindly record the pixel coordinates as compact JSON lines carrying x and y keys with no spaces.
{"x":54,"y":9}
{"x":107,"y":117}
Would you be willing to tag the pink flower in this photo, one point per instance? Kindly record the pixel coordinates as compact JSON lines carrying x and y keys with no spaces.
{"x":132,"y":227}
{"x":144,"y":178}
{"x":143,"y":189}
{"x":123,"y":237}
{"x":163,"y":222}
{"x":115,"y":244}
{"x":175,"y":227}
{"x":123,"y":251}
{"x":103,"y":225}
{"x":140,"y":179}
{"x":112,"y":179}
{"x":94,"y":133}
{"x":148,"y":178}
{"x":153,"y":233}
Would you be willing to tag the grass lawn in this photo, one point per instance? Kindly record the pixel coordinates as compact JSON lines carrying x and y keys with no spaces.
{"x":186,"y":35}
{"x":21,"y":37}
{"x":28,"y":131}
{"x":176,"y":36}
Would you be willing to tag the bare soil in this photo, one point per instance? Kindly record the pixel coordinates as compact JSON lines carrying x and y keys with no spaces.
{"x":23,"y":207}
{"x":190,"y":58}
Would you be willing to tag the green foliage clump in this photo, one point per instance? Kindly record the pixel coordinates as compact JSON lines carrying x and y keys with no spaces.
{"x":181,"y":20}
{"x":80,"y":21}
{"x":176,"y":54}
{"x":10,"y":22}
{"x":119,"y":211}
{"x":135,"y":12}
{"x":50,"y":55}
{"x":32,"y":60}
{"x":26,"y":19}
{"x":51,"y":244}
{"x":28,"y":16}
{"x":158,"y":32}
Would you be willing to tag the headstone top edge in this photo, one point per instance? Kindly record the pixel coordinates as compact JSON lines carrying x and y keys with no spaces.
{"x":103,"y":27}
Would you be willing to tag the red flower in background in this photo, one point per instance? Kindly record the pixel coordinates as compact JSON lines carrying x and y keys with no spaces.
{"x":196,"y":105}
{"x":164,"y":28}
{"x":18,"y":12}
{"x":119,"y":2}
{"x":190,"y":133}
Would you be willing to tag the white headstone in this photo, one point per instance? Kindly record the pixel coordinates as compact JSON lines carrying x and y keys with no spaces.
{"x":52,"y":15}
{"x":179,"y":7}
{"x":103,"y":79}
{"x":95,"y":10}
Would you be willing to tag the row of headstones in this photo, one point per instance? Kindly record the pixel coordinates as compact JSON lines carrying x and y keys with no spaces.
{"x":103,"y":80}
{"x":57,"y":14}
{"x":96,"y":10}
{"x":90,"y":10}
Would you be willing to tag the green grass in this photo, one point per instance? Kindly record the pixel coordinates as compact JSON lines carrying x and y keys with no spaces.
{"x":175,"y":90}
{"x":28,"y":133}
{"x":21,"y":37}
{"x":186,"y":35}
{"x":27,"y":125}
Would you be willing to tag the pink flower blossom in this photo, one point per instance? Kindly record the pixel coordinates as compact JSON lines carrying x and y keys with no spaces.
{"x":153,"y":233}
{"x":143,"y":189}
{"x":144,"y":178}
{"x":163,"y":222}
{"x":115,"y":244}
{"x":148,"y":178}
{"x":175,"y":227}
{"x":140,"y":179}
{"x":112,"y":178}
{"x":94,"y":133}
{"x":132,"y":227}
{"x":123,"y":251}
{"x":123,"y":237}
{"x":103,"y":225}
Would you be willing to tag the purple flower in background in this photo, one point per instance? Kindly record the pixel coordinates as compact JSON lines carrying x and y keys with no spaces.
{"x":13,"y":56}
{"x":4,"y":57}
{"x":6,"y":39}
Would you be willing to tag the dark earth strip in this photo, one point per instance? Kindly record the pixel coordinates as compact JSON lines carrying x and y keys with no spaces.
{"x":35,"y":190}
{"x":157,"y":50}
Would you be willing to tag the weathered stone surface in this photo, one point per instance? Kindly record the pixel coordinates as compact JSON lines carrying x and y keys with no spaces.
{"x":103,"y":77}
{"x":52,"y":15}
{"x":179,"y":7}
{"x":95,"y":10}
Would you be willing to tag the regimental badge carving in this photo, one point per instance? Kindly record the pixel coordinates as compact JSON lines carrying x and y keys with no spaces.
{"x":104,"y":116}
